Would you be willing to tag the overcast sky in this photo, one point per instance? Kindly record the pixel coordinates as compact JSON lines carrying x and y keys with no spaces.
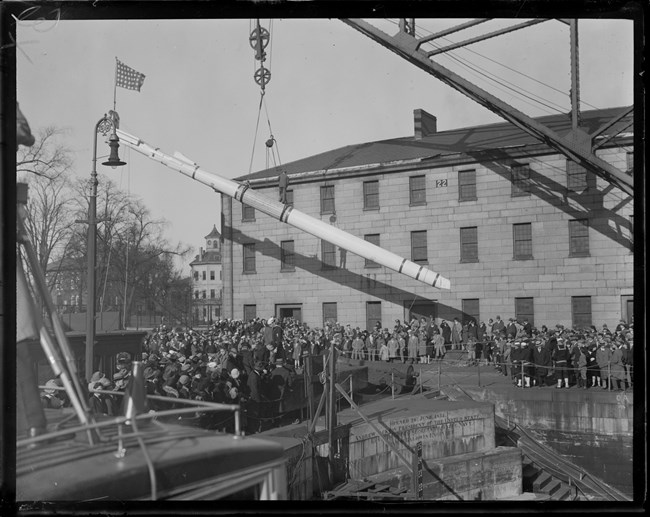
{"x":330,"y":86}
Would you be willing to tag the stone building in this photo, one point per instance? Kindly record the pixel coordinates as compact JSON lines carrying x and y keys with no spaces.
{"x":519,"y":229}
{"x":206,"y":277}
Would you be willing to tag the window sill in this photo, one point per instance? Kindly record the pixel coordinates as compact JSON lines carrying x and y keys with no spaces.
{"x":372,"y":266}
{"x":288,"y":270}
{"x":421,"y":203}
{"x":468,"y":199}
{"x":528,"y":257}
{"x":472,"y":261}
{"x":371,"y":209}
{"x":249,"y":272}
{"x":524,"y":194}
{"x":579,"y":255}
{"x":248,"y":220}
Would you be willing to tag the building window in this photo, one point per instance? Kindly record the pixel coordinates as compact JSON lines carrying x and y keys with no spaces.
{"x":629,"y":162}
{"x":520,"y":180}
{"x":328,"y":254}
{"x":418,"y":190}
{"x":327,"y":200}
{"x":249,"y":257}
{"x":203,"y":294}
{"x":196,"y":275}
{"x":581,"y":311}
{"x":287,"y":257}
{"x":579,"y":238}
{"x":290,"y":197}
{"x":471,"y":310}
{"x":576,"y":176}
{"x":212,"y":294}
{"x":212,"y":275}
{"x":203,"y":275}
{"x":419,"y":247}
{"x":371,"y":195}
{"x":247,"y":212}
{"x":524,"y":310}
{"x":372,"y":238}
{"x":469,"y":244}
{"x":250,"y":312}
{"x":373,"y":314}
{"x":522,"y":241}
{"x":467,"y":185}
{"x":196,"y":295}
{"x":329,"y":313}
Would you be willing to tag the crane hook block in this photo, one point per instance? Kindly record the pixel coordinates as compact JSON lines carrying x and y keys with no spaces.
{"x":259,"y":40}
{"x":262,"y":76}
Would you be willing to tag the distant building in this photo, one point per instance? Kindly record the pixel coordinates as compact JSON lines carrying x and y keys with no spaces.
{"x":207,"y":280}
{"x":519,"y":229}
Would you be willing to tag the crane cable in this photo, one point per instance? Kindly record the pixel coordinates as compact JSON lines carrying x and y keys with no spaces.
{"x":259,"y":39}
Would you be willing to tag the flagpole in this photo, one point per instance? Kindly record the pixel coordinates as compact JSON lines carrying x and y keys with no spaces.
{"x":115,"y":85}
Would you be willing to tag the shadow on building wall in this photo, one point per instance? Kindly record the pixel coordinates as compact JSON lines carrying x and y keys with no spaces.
{"x":363,"y":283}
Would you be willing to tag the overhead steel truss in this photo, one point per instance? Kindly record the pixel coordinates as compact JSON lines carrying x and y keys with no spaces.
{"x":577,"y":145}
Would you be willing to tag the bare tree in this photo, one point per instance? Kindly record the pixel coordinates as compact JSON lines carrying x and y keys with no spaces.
{"x":49,"y":220}
{"x":135,"y":261}
{"x":48,"y":157}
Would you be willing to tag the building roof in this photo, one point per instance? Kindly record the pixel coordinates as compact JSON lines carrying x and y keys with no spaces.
{"x":214,"y":233}
{"x":463,"y":140}
{"x":209,"y":257}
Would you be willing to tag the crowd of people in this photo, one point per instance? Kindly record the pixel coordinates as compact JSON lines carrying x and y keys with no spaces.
{"x":255,"y":362}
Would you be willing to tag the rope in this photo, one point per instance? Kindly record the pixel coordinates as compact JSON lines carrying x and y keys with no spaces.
{"x":257,"y":125}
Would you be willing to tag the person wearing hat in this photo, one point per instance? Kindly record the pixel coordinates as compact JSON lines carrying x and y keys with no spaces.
{"x":267,"y":332}
{"x":560,"y":359}
{"x":456,"y":334}
{"x":280,"y":384}
{"x":593,"y":370}
{"x":527,"y":359}
{"x":50,"y":398}
{"x":617,"y":370}
{"x":542,"y":363}
{"x":603,"y":356}
{"x":233,"y":360}
{"x":98,"y":402}
{"x":256,"y":399}
{"x":516,"y":362}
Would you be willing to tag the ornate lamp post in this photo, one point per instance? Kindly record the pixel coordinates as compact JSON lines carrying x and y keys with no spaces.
{"x":104,"y":125}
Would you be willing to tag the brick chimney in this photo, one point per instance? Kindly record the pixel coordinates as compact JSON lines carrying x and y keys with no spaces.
{"x":425,"y":124}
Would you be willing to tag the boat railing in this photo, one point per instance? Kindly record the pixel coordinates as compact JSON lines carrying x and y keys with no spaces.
{"x":191,"y":407}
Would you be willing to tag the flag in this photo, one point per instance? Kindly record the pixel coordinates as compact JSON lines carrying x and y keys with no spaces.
{"x":127,"y":77}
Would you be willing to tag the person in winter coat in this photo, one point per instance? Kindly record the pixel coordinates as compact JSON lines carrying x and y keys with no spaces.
{"x":560,"y":359}
{"x":421,"y":337}
{"x":516,"y":362}
{"x":603,"y":355}
{"x":527,"y":358}
{"x":402,"y":351}
{"x":498,"y":327}
{"x":445,"y":330}
{"x":593,"y":370}
{"x":412,"y":346}
{"x":456,"y":335}
{"x":439,"y":345}
{"x":511,"y":329}
{"x":393,"y":347}
{"x":542,"y":360}
{"x":617,"y":370}
{"x":384,"y":354}
{"x":582,"y":367}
